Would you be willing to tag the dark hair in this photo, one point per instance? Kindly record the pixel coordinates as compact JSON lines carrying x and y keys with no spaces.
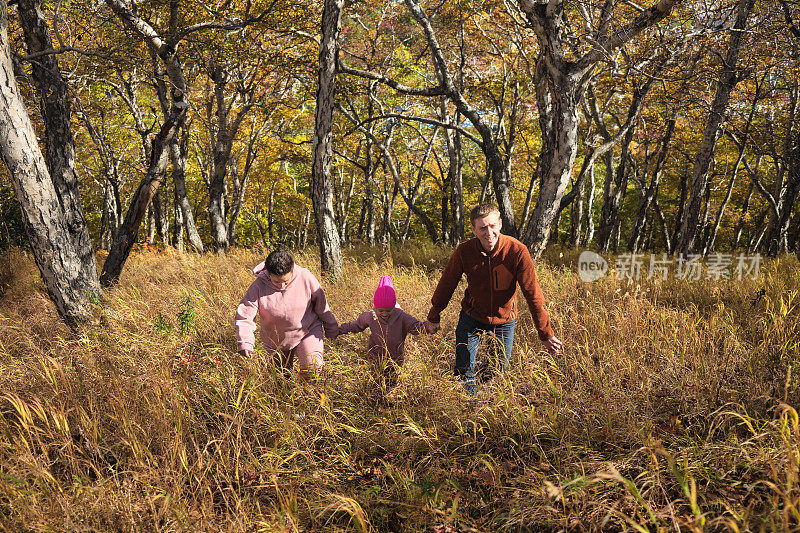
{"x":279,"y":262}
{"x":482,"y":210}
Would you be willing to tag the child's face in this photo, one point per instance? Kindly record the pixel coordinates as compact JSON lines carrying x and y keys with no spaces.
{"x":384,"y":312}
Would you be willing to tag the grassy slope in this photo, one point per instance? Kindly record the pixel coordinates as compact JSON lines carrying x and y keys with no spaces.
{"x":672,"y":406}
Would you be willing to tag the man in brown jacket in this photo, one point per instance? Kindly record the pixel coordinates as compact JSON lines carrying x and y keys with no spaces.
{"x":494,"y":264}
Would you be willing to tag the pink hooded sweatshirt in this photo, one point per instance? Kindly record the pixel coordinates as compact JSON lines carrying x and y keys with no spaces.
{"x":288,"y":315}
{"x":386,"y":337}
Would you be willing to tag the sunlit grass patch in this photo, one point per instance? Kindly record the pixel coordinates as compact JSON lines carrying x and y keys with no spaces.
{"x":673,"y":406}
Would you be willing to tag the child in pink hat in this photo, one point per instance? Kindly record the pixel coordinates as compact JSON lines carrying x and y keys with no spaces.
{"x":388,"y":326}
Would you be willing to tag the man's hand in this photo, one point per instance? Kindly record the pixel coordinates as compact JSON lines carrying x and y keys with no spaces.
{"x":246,"y":353}
{"x":553,"y":345}
{"x":430,"y":327}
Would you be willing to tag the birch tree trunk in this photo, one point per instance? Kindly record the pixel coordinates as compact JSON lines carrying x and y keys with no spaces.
{"x":455,"y":178}
{"x":576,"y":217}
{"x":321,"y":192}
{"x":369,"y":169}
{"x":709,"y":246}
{"x":728,"y":78}
{"x":59,"y":261}
{"x":222,"y":146}
{"x":250,"y":158}
{"x":559,"y":148}
{"x":56,"y":108}
{"x":589,"y":235}
{"x":160,"y":218}
{"x":787,"y":190}
{"x":179,"y":154}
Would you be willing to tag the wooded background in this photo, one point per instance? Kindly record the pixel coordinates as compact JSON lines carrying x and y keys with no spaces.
{"x":672,"y":126}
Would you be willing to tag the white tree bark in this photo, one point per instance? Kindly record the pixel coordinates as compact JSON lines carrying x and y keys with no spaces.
{"x":56,"y":107}
{"x":47,"y":228}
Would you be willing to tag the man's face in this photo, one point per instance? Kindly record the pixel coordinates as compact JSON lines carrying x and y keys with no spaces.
{"x":280,"y":282}
{"x":487,"y":230}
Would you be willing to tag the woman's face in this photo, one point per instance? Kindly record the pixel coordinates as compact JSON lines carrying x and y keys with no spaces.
{"x":281,"y":282}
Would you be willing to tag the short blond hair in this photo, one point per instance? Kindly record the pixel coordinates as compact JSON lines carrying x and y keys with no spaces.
{"x":482,"y":210}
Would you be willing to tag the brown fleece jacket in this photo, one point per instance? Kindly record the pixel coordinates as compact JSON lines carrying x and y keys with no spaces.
{"x":491,"y":294}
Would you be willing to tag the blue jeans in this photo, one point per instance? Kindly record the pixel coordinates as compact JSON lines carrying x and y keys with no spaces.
{"x":468,"y":335}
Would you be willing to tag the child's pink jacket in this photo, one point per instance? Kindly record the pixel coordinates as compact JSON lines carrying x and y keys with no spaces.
{"x":385,"y":337}
{"x":288,"y":315}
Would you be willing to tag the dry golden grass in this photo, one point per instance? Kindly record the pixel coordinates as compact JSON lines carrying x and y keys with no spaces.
{"x":673,"y":406}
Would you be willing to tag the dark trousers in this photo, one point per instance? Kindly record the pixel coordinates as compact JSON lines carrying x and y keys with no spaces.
{"x":468,"y":335}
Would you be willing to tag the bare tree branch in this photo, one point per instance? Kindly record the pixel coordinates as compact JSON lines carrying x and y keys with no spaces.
{"x":415,"y":118}
{"x":397,"y":86}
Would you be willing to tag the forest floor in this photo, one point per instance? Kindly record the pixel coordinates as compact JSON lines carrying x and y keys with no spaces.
{"x":673,"y":406}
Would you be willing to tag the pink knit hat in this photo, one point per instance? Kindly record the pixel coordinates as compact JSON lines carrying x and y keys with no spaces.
{"x":384,"y":294}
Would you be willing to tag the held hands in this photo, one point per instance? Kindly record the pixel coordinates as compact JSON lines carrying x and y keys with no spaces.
{"x":553,"y":345}
{"x":430,"y":327}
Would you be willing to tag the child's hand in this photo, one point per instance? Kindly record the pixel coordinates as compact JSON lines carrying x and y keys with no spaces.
{"x":246,"y":353}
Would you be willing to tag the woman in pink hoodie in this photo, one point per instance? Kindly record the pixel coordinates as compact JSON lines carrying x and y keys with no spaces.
{"x":388,"y":328}
{"x":293,"y":313}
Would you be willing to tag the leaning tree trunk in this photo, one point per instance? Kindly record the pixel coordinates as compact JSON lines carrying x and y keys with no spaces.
{"x":59,"y":147}
{"x":55,"y":253}
{"x":129,"y":230}
{"x":728,"y":78}
{"x":160,"y":146}
{"x":321,"y":191}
